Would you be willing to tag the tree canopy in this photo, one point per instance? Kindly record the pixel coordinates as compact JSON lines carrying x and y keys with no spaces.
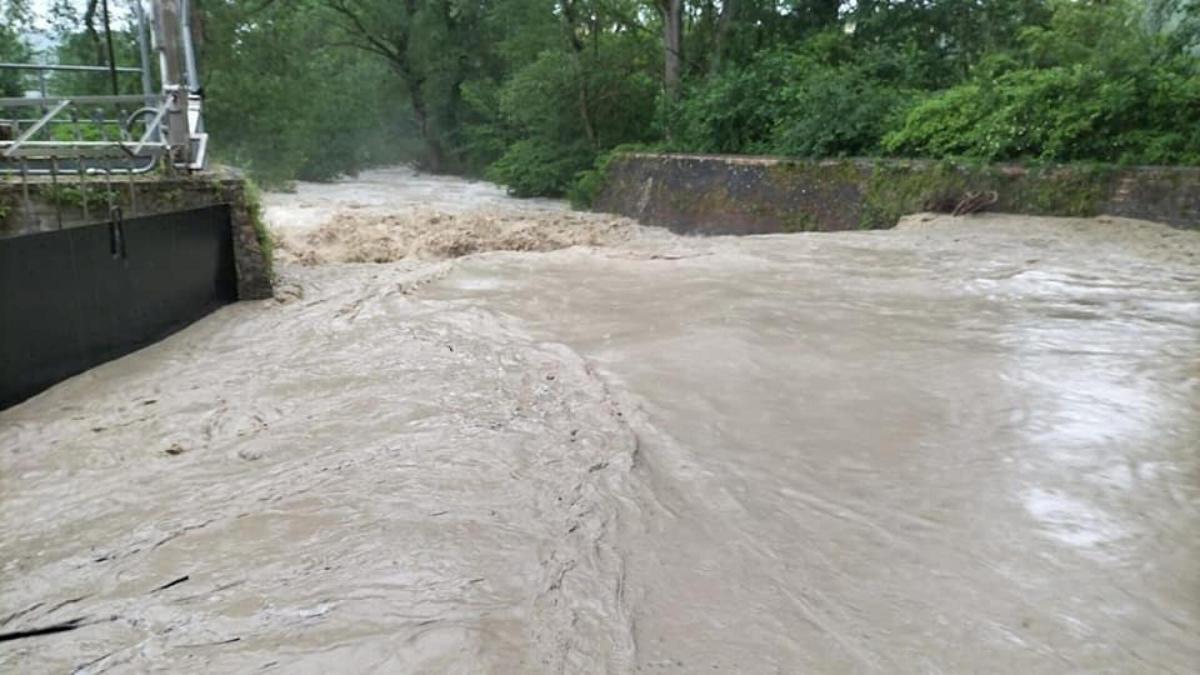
{"x":532,"y":93}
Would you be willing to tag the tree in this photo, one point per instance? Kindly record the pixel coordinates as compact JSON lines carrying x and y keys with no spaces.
{"x":532,"y":93}
{"x":284,"y":103}
{"x":11,"y":49}
{"x":671,"y":13}
{"x":427,"y":44}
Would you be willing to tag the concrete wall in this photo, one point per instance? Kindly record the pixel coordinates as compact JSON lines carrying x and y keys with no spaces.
{"x":708,"y":194}
{"x":37,"y":205}
{"x":74,"y":298}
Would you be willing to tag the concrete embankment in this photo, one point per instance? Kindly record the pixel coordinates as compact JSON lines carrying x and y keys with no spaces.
{"x":707,"y":194}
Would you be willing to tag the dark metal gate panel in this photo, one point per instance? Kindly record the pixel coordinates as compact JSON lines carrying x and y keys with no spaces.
{"x":73,"y":299}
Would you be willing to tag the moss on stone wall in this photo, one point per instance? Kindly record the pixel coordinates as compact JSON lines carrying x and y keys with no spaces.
{"x":894,"y":189}
{"x":254,"y":209}
{"x":807,"y":174}
{"x":740,"y":195}
{"x":1076,"y":190}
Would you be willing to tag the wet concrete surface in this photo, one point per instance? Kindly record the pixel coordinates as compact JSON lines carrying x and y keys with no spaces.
{"x":966,"y":445}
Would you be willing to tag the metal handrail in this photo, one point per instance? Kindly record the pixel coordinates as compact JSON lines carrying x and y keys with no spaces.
{"x":68,"y":67}
{"x":136,"y":155}
{"x":173,"y":131}
{"x":41,"y":101}
{"x":29,"y":133}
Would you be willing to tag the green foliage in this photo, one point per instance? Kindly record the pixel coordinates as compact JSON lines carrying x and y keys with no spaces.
{"x":11,"y":49}
{"x":530,"y":168}
{"x":827,"y":99}
{"x":79,"y":48}
{"x":283,"y":105}
{"x":550,"y":119}
{"x":729,"y":113}
{"x":70,"y":196}
{"x":1089,"y":86}
{"x":536,"y":94}
{"x":1003,"y":80}
{"x":254,"y":209}
{"x":587,"y":183}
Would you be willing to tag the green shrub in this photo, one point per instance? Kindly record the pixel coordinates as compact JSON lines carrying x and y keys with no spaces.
{"x":1091,"y":86}
{"x":587,"y":183}
{"x":531,"y":168}
{"x":826,"y":99}
{"x":266,"y":241}
{"x":533,"y":119}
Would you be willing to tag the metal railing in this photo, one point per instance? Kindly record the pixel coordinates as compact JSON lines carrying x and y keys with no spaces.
{"x":64,"y":133}
{"x":133,"y":133}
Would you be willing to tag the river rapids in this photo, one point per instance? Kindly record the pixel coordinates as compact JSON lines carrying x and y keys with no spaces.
{"x":478,"y":434}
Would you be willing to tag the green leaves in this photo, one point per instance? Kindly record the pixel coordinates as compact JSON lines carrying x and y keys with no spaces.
{"x":1090,"y":86}
{"x":535,"y":92}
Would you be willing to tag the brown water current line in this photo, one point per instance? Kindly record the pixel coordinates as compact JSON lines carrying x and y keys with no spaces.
{"x":966,"y":445}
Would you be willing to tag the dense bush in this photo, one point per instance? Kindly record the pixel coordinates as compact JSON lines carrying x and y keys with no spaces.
{"x":531,"y":167}
{"x":534,"y":118}
{"x":1091,"y":86}
{"x":11,"y":49}
{"x":823,"y":100}
{"x":1068,"y":81}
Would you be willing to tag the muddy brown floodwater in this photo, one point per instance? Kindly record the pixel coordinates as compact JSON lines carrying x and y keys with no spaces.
{"x":964,"y":445}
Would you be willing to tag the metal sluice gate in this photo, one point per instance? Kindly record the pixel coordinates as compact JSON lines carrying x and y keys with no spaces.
{"x":75,"y":298}
{"x":84,"y":277}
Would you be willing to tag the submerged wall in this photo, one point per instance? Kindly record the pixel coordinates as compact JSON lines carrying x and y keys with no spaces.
{"x":708,"y":194}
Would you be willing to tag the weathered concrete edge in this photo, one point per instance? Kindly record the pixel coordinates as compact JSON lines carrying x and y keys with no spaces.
{"x":255,"y":272}
{"x":148,"y":196}
{"x":719,"y":194}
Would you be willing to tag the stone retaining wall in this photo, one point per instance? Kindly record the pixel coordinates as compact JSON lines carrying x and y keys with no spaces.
{"x":708,"y":194}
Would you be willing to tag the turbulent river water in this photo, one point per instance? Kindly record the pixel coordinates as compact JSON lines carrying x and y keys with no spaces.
{"x":475,"y":434}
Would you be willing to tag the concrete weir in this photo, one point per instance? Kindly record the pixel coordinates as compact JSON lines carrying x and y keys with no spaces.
{"x":94,"y":270}
{"x":713,"y":194}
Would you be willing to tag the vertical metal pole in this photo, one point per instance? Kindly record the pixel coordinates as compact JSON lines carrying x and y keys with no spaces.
{"x":133,"y":210}
{"x":42,"y":88}
{"x":54,"y":190}
{"x":83,"y":186}
{"x":168,"y":32}
{"x":144,"y":52}
{"x":189,"y":51}
{"x":25,"y":192}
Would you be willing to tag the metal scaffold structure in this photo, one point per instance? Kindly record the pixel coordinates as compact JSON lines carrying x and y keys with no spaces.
{"x":61,"y":134}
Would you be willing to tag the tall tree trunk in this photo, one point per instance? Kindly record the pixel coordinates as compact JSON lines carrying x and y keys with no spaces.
{"x":724,"y":23}
{"x":570,"y":25}
{"x":436,"y":155}
{"x":672,"y":18}
{"x":823,"y":13}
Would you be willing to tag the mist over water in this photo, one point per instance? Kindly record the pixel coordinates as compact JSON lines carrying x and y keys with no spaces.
{"x":964,"y":445}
